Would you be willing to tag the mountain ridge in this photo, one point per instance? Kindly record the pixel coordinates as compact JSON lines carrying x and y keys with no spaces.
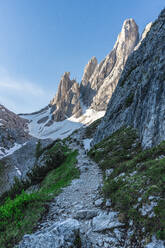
{"x":138,"y":98}
{"x":72,"y":99}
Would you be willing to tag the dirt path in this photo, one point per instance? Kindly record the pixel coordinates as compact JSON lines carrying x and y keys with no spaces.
{"x":81,"y":205}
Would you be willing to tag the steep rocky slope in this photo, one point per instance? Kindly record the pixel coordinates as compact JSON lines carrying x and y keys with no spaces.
{"x":139,"y":99}
{"x":13,"y":130}
{"x":99,"y":85}
{"x":17,"y":149}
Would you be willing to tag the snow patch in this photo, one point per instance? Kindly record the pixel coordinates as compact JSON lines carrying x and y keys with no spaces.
{"x":6,"y":152}
{"x":18,"y":171}
{"x":86,"y":143}
{"x":61,"y":129}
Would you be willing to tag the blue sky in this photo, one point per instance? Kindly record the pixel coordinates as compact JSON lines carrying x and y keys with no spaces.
{"x":41,"y":39}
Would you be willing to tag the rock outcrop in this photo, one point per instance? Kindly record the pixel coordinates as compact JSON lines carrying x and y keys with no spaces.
{"x":19,"y":163}
{"x":99,"y":85}
{"x":143,"y":36}
{"x":85,"y":83}
{"x":67,"y":100}
{"x":139,"y":99}
{"x":13,"y":129}
{"x":61,"y":234}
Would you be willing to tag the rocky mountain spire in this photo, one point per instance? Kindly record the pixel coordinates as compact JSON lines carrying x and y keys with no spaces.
{"x":66,"y":102}
{"x":85,"y":83}
{"x":103,"y":81}
{"x":139,"y":99}
{"x":145,"y":32}
{"x":88,"y":71}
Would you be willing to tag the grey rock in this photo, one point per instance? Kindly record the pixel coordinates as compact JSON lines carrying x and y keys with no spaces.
{"x":105,"y":222}
{"x":144,"y":34}
{"x":85,"y":83}
{"x":13,"y":129}
{"x":108,"y":203}
{"x":139,"y":99}
{"x":59,"y":235}
{"x":99,"y":202}
{"x":103,"y":81}
{"x":19,"y":164}
{"x":67,"y":100}
{"x":85,"y":214}
{"x":156,"y":243}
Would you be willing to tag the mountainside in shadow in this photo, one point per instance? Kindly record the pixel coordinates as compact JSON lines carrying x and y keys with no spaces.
{"x":13,"y":130}
{"x":139,"y":99}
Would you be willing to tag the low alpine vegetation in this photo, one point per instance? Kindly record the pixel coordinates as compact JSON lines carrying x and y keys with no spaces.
{"x":20,"y":214}
{"x":134,"y":179}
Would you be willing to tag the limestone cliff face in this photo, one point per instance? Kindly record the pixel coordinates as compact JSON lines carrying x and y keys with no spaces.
{"x":66,"y":102}
{"x":139,"y":99}
{"x":13,"y":129}
{"x":85,"y":86}
{"x":143,"y":36}
{"x":102,"y":82}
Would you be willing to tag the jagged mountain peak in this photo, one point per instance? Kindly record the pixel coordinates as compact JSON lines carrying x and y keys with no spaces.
{"x":128,"y":26}
{"x":64,"y":86}
{"x":145,"y":32}
{"x":101,"y":84}
{"x":128,"y":23}
{"x":67,"y":99}
{"x":127,"y":35}
{"x":88,"y":71}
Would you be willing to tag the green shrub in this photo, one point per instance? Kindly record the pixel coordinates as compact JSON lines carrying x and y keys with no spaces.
{"x":129,"y":100}
{"x":21,"y":214}
{"x":38,"y":149}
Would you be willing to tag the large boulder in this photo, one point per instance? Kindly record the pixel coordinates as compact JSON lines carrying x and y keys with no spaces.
{"x":61,"y":234}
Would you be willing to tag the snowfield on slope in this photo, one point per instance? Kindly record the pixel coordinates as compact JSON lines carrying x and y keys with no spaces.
{"x":61,"y":129}
{"x":6,"y":152}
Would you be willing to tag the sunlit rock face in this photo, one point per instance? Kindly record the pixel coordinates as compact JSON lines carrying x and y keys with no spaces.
{"x":139,"y":99}
{"x":99,"y":85}
{"x":85,"y":86}
{"x":67,"y":100}
{"x":98,"y":81}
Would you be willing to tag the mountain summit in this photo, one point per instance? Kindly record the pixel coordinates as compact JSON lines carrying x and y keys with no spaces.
{"x":88,"y":101}
{"x":67,"y":100}
{"x":103,"y":81}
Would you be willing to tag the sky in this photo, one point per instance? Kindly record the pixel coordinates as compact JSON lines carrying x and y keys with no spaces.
{"x":41,"y":39}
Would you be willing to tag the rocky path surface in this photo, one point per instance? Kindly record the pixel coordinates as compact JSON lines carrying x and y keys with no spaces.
{"x":76,"y":217}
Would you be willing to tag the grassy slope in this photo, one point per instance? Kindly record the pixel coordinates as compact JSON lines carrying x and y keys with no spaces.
{"x":20,"y":215}
{"x":137,"y":180}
